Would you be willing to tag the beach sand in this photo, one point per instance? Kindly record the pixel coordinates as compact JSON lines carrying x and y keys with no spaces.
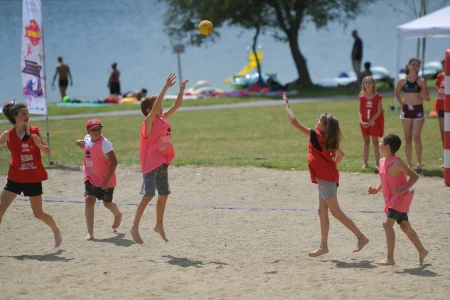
{"x":234,"y":233}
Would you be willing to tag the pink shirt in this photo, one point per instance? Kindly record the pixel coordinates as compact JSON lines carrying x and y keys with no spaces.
{"x":157,"y":148}
{"x":96,"y":164}
{"x":389,"y":183}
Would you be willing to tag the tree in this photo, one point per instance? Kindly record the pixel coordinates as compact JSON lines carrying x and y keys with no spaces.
{"x":284,"y":17}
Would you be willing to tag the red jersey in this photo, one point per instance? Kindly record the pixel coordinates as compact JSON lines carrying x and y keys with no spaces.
{"x":26,"y":160}
{"x":368,"y":107}
{"x":440,"y":99}
{"x":321,"y":162}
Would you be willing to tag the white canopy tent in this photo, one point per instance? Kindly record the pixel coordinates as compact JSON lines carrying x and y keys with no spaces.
{"x":436,"y":25}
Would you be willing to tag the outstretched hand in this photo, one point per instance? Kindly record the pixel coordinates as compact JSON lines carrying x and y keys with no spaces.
{"x":171,"y":80}
{"x":183,"y":84}
{"x":372,"y":191}
{"x":286,"y":100}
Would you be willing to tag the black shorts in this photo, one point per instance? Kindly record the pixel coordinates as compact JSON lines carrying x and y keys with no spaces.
{"x":114,"y":88}
{"x":104,"y":195}
{"x":64,"y":83}
{"x":441,"y":113}
{"x":28,"y":189}
{"x":396,"y":215}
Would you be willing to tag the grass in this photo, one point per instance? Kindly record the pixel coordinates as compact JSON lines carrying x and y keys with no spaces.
{"x":259,"y":137}
{"x":310,"y":92}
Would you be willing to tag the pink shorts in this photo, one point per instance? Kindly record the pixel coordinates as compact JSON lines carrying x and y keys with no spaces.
{"x":412,"y":112}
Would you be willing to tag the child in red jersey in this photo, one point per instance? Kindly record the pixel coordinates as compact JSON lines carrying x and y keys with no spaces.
{"x":371,"y":118}
{"x":26,"y":171}
{"x":324,"y":156}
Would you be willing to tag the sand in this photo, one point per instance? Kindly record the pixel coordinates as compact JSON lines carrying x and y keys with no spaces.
{"x":254,"y":249}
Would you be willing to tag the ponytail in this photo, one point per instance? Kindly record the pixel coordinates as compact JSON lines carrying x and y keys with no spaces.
{"x":11,"y":111}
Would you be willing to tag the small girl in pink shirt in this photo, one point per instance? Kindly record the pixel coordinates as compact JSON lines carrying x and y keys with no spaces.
{"x":397,"y":196}
{"x":156,"y":154}
{"x":99,"y":174}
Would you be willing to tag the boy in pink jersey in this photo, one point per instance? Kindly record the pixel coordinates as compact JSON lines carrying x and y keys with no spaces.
{"x":397,"y":196}
{"x":99,"y":174}
{"x":156,"y":154}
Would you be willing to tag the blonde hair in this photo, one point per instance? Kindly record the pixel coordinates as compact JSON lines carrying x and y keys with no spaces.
{"x":331,"y":131}
{"x":147,"y":103}
{"x":363,"y":88}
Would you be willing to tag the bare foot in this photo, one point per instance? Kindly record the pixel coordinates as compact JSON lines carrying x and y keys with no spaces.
{"x":422,"y":257}
{"x":159,"y":229}
{"x":135,"y":235}
{"x":117,"y":221}
{"x":318,"y":252}
{"x":58,"y":238}
{"x":362,"y":241}
{"x":386,"y":262}
{"x":89,"y":237}
{"x":364,"y":166}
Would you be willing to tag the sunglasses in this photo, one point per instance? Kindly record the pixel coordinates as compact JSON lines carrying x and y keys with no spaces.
{"x":96,"y":129}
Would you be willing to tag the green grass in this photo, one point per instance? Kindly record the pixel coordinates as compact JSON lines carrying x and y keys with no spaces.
{"x":238,"y":137}
{"x":311,"y":92}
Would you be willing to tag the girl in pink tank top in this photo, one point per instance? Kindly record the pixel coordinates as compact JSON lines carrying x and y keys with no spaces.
{"x":156,"y":154}
{"x":397,"y":196}
{"x":99,"y":174}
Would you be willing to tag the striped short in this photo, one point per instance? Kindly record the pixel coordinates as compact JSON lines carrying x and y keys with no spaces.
{"x":157,"y":178}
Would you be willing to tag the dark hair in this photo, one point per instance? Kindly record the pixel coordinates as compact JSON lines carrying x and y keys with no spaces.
{"x":393,"y":141}
{"x":147,"y":103}
{"x":332,"y":132}
{"x":60,"y":59}
{"x":144,"y":91}
{"x":11,"y":110}
{"x":114,"y":65}
{"x":409,"y":62}
{"x":367,"y":65}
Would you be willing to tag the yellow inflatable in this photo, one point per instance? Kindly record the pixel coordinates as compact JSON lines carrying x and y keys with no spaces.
{"x":129,"y":100}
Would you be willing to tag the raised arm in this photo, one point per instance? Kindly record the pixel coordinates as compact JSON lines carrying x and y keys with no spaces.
{"x":293,"y":119}
{"x":157,"y":105}
{"x":178,"y":102}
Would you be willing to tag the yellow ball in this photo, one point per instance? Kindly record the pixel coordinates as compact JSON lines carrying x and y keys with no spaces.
{"x":205,"y":27}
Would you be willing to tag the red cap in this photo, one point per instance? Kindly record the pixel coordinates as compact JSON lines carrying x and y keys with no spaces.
{"x":93,"y":123}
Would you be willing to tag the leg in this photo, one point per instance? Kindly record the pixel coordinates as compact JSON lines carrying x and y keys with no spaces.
{"x":6,"y":198}
{"x":414,"y":238}
{"x":388,"y":226}
{"x":148,"y":192}
{"x":137,"y":219}
{"x":62,"y":90}
{"x":376,"y":150}
{"x":366,"y":151}
{"x":407,"y":130}
{"x":36,"y":206}
{"x":162,"y":185}
{"x":441,"y":127}
{"x":417,"y":132}
{"x":324,"y":229}
{"x":115,"y":211}
{"x":347,"y":222}
{"x":160,"y":208}
{"x":89,"y":205}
